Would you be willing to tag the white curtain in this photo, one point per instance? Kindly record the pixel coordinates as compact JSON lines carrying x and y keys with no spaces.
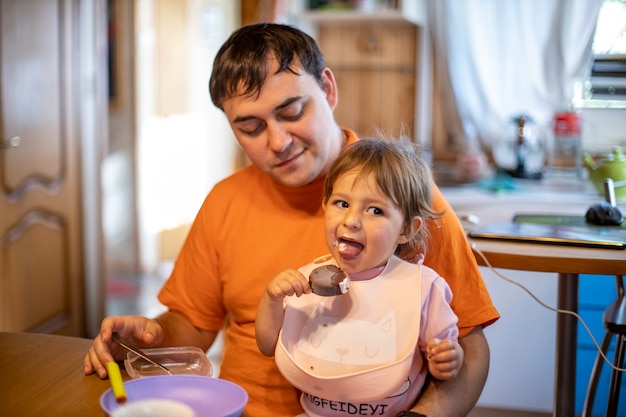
{"x":500,"y":58}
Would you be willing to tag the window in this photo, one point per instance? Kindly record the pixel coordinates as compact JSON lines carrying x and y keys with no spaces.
{"x":608,"y":72}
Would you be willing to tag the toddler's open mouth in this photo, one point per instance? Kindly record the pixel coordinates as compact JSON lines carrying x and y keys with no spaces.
{"x":349,"y":248}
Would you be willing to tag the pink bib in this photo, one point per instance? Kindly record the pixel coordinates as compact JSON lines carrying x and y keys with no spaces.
{"x":354,"y":347}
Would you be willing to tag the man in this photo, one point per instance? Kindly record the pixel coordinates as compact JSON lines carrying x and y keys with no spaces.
{"x":271,"y":82}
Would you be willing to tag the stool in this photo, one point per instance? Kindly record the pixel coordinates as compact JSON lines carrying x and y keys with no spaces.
{"x":614,"y":320}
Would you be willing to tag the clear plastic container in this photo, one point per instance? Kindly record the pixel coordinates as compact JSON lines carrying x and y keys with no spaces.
{"x":185,"y":360}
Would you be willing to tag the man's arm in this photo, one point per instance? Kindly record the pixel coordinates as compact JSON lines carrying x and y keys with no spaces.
{"x":457,"y":396}
{"x":179,"y":331}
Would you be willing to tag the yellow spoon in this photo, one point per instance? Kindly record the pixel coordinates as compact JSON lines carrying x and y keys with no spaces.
{"x":117,"y":384}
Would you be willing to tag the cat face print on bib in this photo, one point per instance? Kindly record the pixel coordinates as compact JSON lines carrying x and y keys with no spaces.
{"x":347,"y":344}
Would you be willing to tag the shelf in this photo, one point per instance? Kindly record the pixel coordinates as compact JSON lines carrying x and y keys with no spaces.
{"x":413,"y":11}
{"x":351,"y":16}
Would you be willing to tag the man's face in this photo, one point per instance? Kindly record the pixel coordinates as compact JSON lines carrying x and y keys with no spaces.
{"x":288,"y":129}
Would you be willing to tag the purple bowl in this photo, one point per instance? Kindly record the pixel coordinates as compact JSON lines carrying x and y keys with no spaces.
{"x":209,"y":397}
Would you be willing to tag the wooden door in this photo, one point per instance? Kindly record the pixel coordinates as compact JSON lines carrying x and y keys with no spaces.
{"x":41,"y":273}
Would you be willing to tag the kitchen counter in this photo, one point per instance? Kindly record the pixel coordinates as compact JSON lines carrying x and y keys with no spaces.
{"x":496,"y":200}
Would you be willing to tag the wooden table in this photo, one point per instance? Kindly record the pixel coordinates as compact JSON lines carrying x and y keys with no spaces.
{"x":42,"y":375}
{"x":568,"y":262}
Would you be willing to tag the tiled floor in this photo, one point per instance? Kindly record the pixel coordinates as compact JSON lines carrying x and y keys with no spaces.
{"x":138,"y":295}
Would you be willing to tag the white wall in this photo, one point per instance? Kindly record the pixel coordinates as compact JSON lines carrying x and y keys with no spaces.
{"x":522,"y":342}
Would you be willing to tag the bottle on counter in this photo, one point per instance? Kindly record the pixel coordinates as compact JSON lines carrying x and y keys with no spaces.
{"x":565,"y":145}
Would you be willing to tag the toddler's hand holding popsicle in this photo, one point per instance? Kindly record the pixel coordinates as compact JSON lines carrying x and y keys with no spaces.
{"x":286,"y":283}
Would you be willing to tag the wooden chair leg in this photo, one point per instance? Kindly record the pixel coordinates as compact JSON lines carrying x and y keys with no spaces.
{"x":616,"y":377}
{"x":595,"y":377}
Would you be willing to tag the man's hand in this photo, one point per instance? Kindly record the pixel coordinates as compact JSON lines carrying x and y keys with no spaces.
{"x":169,"y":329}
{"x":139,"y":330}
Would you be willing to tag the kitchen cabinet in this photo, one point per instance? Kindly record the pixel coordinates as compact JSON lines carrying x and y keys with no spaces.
{"x":378,"y":61}
{"x":374,"y":63}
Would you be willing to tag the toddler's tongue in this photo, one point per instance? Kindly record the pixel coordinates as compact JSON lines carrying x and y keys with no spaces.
{"x":349,"y":249}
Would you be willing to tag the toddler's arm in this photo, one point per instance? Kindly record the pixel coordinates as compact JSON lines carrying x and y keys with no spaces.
{"x":269,"y":318}
{"x":445,"y":358}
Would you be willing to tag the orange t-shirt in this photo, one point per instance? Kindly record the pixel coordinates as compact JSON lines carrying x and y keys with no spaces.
{"x":250,"y":228}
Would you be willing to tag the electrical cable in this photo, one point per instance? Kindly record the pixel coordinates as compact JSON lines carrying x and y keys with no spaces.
{"x":541,"y":303}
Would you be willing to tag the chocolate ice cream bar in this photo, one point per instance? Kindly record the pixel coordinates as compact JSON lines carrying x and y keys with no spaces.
{"x":328,"y":280}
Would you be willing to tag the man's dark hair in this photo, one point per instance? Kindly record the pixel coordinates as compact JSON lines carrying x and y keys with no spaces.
{"x":242,"y":59}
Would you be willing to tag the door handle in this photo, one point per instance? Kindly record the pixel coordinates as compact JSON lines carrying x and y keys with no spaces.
{"x":13,"y":142}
